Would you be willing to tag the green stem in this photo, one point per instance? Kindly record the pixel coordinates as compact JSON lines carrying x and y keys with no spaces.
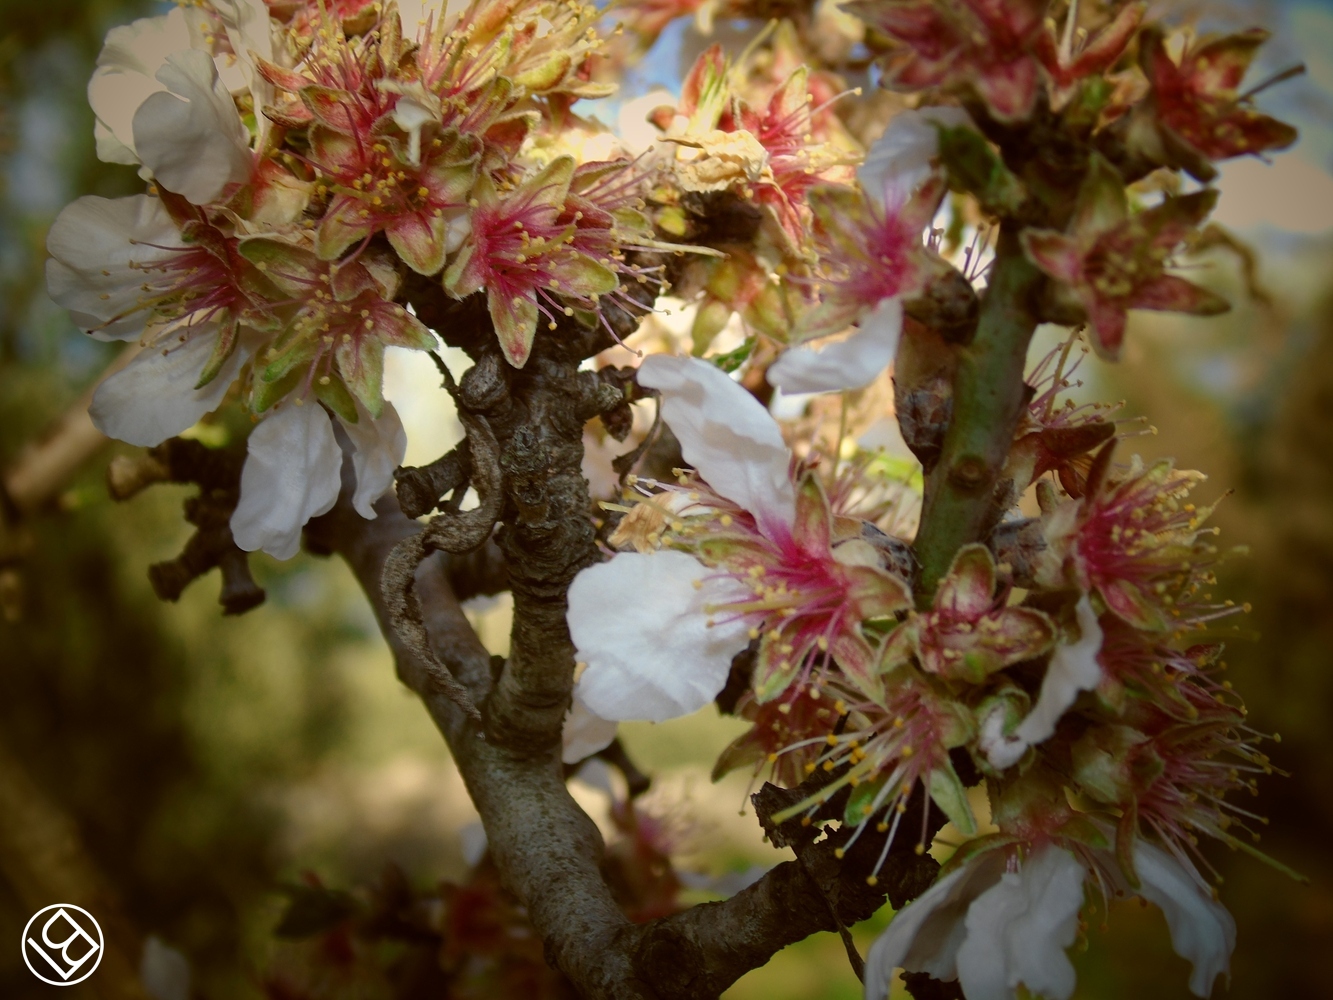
{"x":988,"y":398}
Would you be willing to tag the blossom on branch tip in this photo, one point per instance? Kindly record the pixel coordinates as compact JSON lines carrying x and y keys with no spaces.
{"x":1196,"y":114}
{"x":1111,"y":261}
{"x":1134,"y":539}
{"x":520,"y":253}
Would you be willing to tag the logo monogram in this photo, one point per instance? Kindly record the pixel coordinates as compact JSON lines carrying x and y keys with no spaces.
{"x":59,"y":941}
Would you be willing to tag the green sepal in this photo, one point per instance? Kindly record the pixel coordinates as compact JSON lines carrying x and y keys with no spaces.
{"x":223,"y":347}
{"x":265,"y":394}
{"x":947,"y":792}
{"x":774,"y":670}
{"x":335,"y":396}
{"x":361,"y":365}
{"x":732,"y":360}
{"x":975,"y":848}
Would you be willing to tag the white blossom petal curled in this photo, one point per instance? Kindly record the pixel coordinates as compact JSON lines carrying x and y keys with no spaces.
{"x":1018,"y":930}
{"x":900,"y":160}
{"x":725,"y":434}
{"x":1202,"y":930}
{"x":584,"y":733}
{"x":925,"y":935}
{"x":249,"y":34}
{"x":126,"y":76}
{"x":379,"y":447}
{"x":98,"y":248}
{"x":154,"y":396}
{"x":640,"y":625}
{"x":846,"y":364}
{"x":190,"y":135}
{"x":1073,"y":668}
{"x":1002,"y":750}
{"x":292,"y":473}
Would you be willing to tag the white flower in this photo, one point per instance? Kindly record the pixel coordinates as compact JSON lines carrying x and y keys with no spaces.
{"x":1202,"y":930}
{"x":100,"y":248}
{"x":585,"y":732}
{"x":1073,"y":669}
{"x":1018,"y":930}
{"x":293,"y":472}
{"x":126,"y":76}
{"x":894,"y":168}
{"x":902,"y":157}
{"x":249,"y":33}
{"x":852,"y":363}
{"x":725,"y":434}
{"x":155,"y":397}
{"x":378,"y":449}
{"x":993,"y":929}
{"x":161,"y":103}
{"x":639,"y":621}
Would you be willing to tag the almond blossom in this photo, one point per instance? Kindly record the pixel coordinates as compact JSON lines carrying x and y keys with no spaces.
{"x":763,"y":561}
{"x":524,"y":258}
{"x":161,"y":102}
{"x":1196,"y":114}
{"x":1134,"y":539}
{"x":1112,"y":261}
{"x":876,"y":256}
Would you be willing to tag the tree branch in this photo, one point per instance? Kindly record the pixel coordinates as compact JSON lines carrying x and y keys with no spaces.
{"x":964,"y":497}
{"x":549,"y":852}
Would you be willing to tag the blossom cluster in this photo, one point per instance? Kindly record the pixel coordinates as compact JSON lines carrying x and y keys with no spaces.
{"x":1068,"y":661}
{"x":1056,"y":693}
{"x":306,"y":161}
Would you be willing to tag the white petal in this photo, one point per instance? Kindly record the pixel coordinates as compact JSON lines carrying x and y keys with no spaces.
{"x":585,"y":732}
{"x":924,"y":936}
{"x":292,"y":473}
{"x":726,"y":434}
{"x":94,"y":245}
{"x":380,"y":446}
{"x":639,"y":624}
{"x":1073,"y":668}
{"x":846,"y":364}
{"x":154,"y":398}
{"x":1201,"y":928}
{"x":1002,"y":751}
{"x":192,"y":138}
{"x":1017,"y":931}
{"x":125,"y":78}
{"x":899,"y":161}
{"x":250,"y":32}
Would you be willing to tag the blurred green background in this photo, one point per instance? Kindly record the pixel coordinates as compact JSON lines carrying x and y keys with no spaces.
{"x":202,"y":762}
